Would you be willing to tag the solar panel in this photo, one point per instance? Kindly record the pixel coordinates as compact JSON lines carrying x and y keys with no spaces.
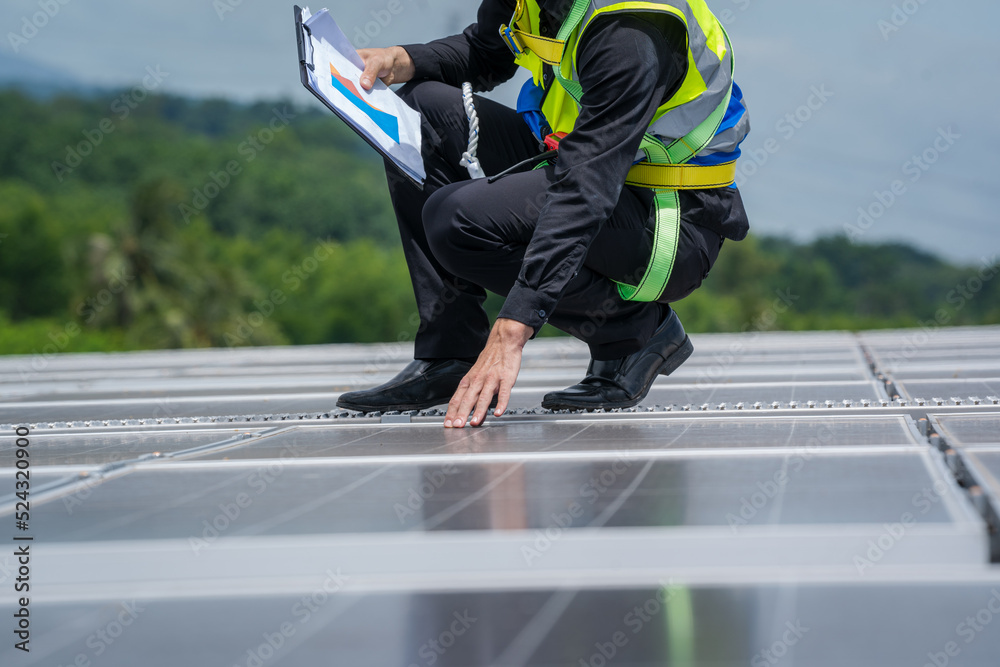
{"x":773,"y":489}
{"x":100,"y":448}
{"x":946,"y":389}
{"x":987,"y":462}
{"x":970,"y":429}
{"x":804,"y":433}
{"x":155,"y":501}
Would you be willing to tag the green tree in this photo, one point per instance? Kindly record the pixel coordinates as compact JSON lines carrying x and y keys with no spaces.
{"x":33,"y":275}
{"x":166,"y":286}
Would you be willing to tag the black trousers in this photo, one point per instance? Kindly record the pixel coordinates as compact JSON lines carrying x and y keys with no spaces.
{"x":462,"y":237}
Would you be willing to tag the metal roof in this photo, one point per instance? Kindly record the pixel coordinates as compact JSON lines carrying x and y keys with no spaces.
{"x":783,"y":498}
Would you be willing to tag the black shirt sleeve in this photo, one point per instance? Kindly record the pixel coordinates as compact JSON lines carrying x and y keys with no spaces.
{"x":627,"y":66}
{"x":478,"y":55}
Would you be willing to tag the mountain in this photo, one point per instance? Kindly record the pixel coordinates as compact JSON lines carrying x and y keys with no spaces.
{"x":38,"y":80}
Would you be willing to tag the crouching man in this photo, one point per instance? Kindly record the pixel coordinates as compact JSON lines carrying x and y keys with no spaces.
{"x":634,"y":111}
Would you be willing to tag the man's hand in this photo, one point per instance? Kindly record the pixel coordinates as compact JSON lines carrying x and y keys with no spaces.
{"x":392,"y":65}
{"x":494,"y":374}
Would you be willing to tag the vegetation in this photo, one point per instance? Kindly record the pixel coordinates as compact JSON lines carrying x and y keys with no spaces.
{"x":165,"y":222}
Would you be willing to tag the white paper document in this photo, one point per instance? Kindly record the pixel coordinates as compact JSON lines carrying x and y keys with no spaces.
{"x":331,"y":69}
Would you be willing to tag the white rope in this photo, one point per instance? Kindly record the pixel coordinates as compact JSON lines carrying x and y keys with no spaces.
{"x":469,"y":159}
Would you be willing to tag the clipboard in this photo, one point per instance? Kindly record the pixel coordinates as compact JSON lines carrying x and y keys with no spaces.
{"x":378,"y":116}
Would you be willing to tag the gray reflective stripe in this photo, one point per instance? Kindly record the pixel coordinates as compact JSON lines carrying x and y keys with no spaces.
{"x":716,"y":74}
{"x":678,"y":122}
{"x":728,"y":140}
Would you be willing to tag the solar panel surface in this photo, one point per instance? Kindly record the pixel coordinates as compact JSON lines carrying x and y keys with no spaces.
{"x":788,"y":498}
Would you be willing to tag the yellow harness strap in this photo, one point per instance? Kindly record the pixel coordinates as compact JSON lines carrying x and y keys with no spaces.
{"x":548,"y":50}
{"x":681,"y":176}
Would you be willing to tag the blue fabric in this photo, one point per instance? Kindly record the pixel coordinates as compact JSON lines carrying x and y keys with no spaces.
{"x":529,"y":105}
{"x":733,"y":115}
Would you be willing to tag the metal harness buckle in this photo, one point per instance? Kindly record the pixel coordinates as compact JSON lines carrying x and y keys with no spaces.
{"x":512,"y":41}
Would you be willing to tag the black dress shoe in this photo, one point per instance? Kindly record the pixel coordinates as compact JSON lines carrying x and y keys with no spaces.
{"x":624,"y":382}
{"x":421,"y":385}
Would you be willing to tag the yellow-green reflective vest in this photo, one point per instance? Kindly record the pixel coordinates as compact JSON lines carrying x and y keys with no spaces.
{"x":706,"y":84}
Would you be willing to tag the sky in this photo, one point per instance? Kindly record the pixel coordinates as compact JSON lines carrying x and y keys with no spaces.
{"x":873,"y":118}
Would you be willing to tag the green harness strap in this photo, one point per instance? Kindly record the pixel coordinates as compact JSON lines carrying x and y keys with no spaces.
{"x":667,"y":229}
{"x":668,"y":207}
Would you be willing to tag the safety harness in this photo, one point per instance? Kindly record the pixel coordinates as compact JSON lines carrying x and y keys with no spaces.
{"x":665,"y":170}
